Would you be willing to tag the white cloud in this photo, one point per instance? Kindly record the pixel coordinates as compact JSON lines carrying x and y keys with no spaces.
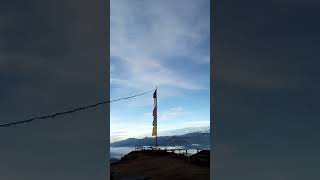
{"x":144,"y":73}
{"x":198,"y":123}
{"x":172,"y":113}
{"x":127,"y":127}
{"x":142,"y":35}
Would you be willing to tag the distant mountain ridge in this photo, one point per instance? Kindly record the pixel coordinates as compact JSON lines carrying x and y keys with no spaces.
{"x":173,"y":132}
{"x":190,"y":140}
{"x":183,"y":131}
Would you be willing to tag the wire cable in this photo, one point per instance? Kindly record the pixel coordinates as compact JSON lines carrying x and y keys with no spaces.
{"x":53,"y":115}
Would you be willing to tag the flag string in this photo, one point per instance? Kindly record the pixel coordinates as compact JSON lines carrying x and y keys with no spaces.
{"x":54,"y":115}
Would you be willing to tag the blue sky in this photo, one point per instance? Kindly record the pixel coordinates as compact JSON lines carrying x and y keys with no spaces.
{"x":165,"y":44}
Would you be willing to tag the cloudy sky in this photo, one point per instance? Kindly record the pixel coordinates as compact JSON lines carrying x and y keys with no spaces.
{"x":164,"y":44}
{"x":53,"y":58}
{"x":267,"y":90}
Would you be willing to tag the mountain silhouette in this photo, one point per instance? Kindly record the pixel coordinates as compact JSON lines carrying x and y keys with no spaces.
{"x":190,"y":140}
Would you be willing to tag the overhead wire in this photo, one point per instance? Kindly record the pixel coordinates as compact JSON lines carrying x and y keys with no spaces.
{"x":56,"y":114}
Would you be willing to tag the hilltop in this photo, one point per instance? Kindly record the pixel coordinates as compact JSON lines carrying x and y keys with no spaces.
{"x":159,"y":165}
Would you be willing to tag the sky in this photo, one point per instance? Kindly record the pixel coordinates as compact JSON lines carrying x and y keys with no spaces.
{"x":164,"y":44}
{"x":266,"y":94}
{"x":52,"y":59}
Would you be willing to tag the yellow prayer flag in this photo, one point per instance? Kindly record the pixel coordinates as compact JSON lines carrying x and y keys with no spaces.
{"x":154,"y":131}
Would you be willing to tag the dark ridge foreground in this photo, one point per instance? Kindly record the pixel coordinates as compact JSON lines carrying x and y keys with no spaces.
{"x":161,"y":165}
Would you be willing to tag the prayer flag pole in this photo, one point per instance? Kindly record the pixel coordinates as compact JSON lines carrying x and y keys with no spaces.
{"x":154,"y":113}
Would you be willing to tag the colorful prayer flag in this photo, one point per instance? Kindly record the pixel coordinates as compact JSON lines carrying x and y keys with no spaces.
{"x":154,"y":114}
